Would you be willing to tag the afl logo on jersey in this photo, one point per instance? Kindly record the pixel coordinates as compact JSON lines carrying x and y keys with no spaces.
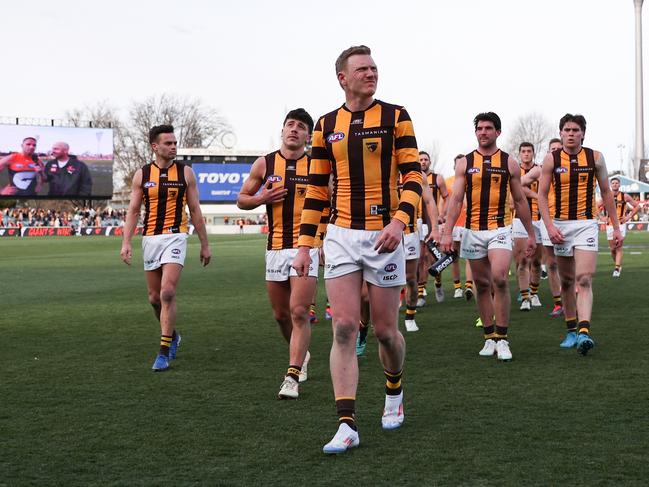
{"x":560,"y":170}
{"x":335,"y":137}
{"x":149,"y":184}
{"x":274,"y":178}
{"x":473,"y":170}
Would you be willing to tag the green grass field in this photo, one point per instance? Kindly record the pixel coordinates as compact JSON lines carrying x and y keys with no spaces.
{"x":79,"y":404}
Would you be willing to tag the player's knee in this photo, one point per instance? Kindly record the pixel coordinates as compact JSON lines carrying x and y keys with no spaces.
{"x":345,"y":331}
{"x":482,"y":285}
{"x":299,"y":312}
{"x":553,"y":266}
{"x":167,"y":295}
{"x":567,"y":282}
{"x":385,"y":334}
{"x":584,"y":280}
{"x":523,"y":264}
{"x":500,"y":282}
{"x":154,"y":299}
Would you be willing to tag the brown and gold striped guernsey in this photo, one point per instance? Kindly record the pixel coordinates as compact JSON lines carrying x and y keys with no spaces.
{"x":574,"y":185}
{"x":533,"y":203}
{"x":364,"y":151}
{"x":431,"y":178}
{"x":284,"y":216}
{"x":620,"y":207}
{"x":165,"y":197}
{"x":487,"y":191}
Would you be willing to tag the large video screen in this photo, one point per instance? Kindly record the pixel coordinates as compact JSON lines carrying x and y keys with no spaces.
{"x":220,"y":182}
{"x":55,"y":162}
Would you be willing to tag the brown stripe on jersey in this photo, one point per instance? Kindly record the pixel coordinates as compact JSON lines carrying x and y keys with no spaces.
{"x":470,"y":160}
{"x":356,"y":175}
{"x":328,"y":127}
{"x":573,"y":191}
{"x":288,"y":204}
{"x":557,"y":183}
{"x":432,"y":183}
{"x":387,"y":120}
{"x":180,"y":199}
{"x":270,"y":169}
{"x":485,"y":186}
{"x":590,"y":188}
{"x":503,"y":191}
{"x":162,"y":201}
{"x":146,"y":176}
{"x":620,"y":202}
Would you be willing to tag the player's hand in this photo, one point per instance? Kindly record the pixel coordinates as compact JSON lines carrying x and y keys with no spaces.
{"x":272,"y":195}
{"x":390,"y":237}
{"x":206,"y":255}
{"x":530,"y":246}
{"x":446,"y":242}
{"x":302,"y":262}
{"x":126,"y":253}
{"x":433,"y":235}
{"x":556,"y":237}
{"x":618,"y":239}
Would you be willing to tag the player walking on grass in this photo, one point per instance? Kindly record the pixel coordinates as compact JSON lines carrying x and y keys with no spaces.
{"x":486,"y":176}
{"x":574,"y":172}
{"x":364,"y":144}
{"x":282,"y":177}
{"x":165,"y":186}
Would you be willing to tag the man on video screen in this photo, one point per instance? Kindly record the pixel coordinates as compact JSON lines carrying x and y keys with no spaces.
{"x":67,"y":175}
{"x":25,"y":170}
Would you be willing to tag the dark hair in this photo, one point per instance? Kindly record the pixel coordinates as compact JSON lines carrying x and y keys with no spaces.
{"x":159,"y":129}
{"x":569,"y":117}
{"x":30,"y":138}
{"x":422,"y":152}
{"x":458,"y":157}
{"x":341,"y":62}
{"x":487,"y":117}
{"x":554,"y":141}
{"x":301,"y":115}
{"x":526,"y":144}
{"x":615,"y":179}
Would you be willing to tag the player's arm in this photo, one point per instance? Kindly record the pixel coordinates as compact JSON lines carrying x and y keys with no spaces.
{"x":197,"y":215}
{"x":520,"y":203}
{"x":132,"y":216}
{"x":443,"y":192}
{"x":544,"y":189}
{"x":454,"y":205}
{"x":407,"y":155}
{"x":430,"y":208}
{"x":250,"y":197}
{"x":5,"y":161}
{"x":635,"y":207}
{"x":315,"y":201}
{"x":601,"y":173}
{"x":528,"y":179}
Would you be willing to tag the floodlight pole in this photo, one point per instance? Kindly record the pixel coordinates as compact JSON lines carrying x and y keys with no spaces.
{"x":639,"y":104}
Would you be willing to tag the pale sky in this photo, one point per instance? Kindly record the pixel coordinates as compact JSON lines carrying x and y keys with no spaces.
{"x":253,"y":60}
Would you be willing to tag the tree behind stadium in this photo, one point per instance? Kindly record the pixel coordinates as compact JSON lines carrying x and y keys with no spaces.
{"x":196,"y":126}
{"x":534,"y":128}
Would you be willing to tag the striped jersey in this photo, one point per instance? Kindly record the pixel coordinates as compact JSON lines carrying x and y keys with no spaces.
{"x":284,"y":216}
{"x":574,"y":185}
{"x":364,"y":151}
{"x":533,"y":203}
{"x":165,"y":197}
{"x":487,"y":191}
{"x":620,"y":207}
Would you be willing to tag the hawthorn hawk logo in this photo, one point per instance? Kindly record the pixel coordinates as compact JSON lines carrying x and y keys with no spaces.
{"x":371,"y":146}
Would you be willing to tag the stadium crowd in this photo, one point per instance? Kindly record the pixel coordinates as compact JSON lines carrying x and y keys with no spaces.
{"x":78,"y":217}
